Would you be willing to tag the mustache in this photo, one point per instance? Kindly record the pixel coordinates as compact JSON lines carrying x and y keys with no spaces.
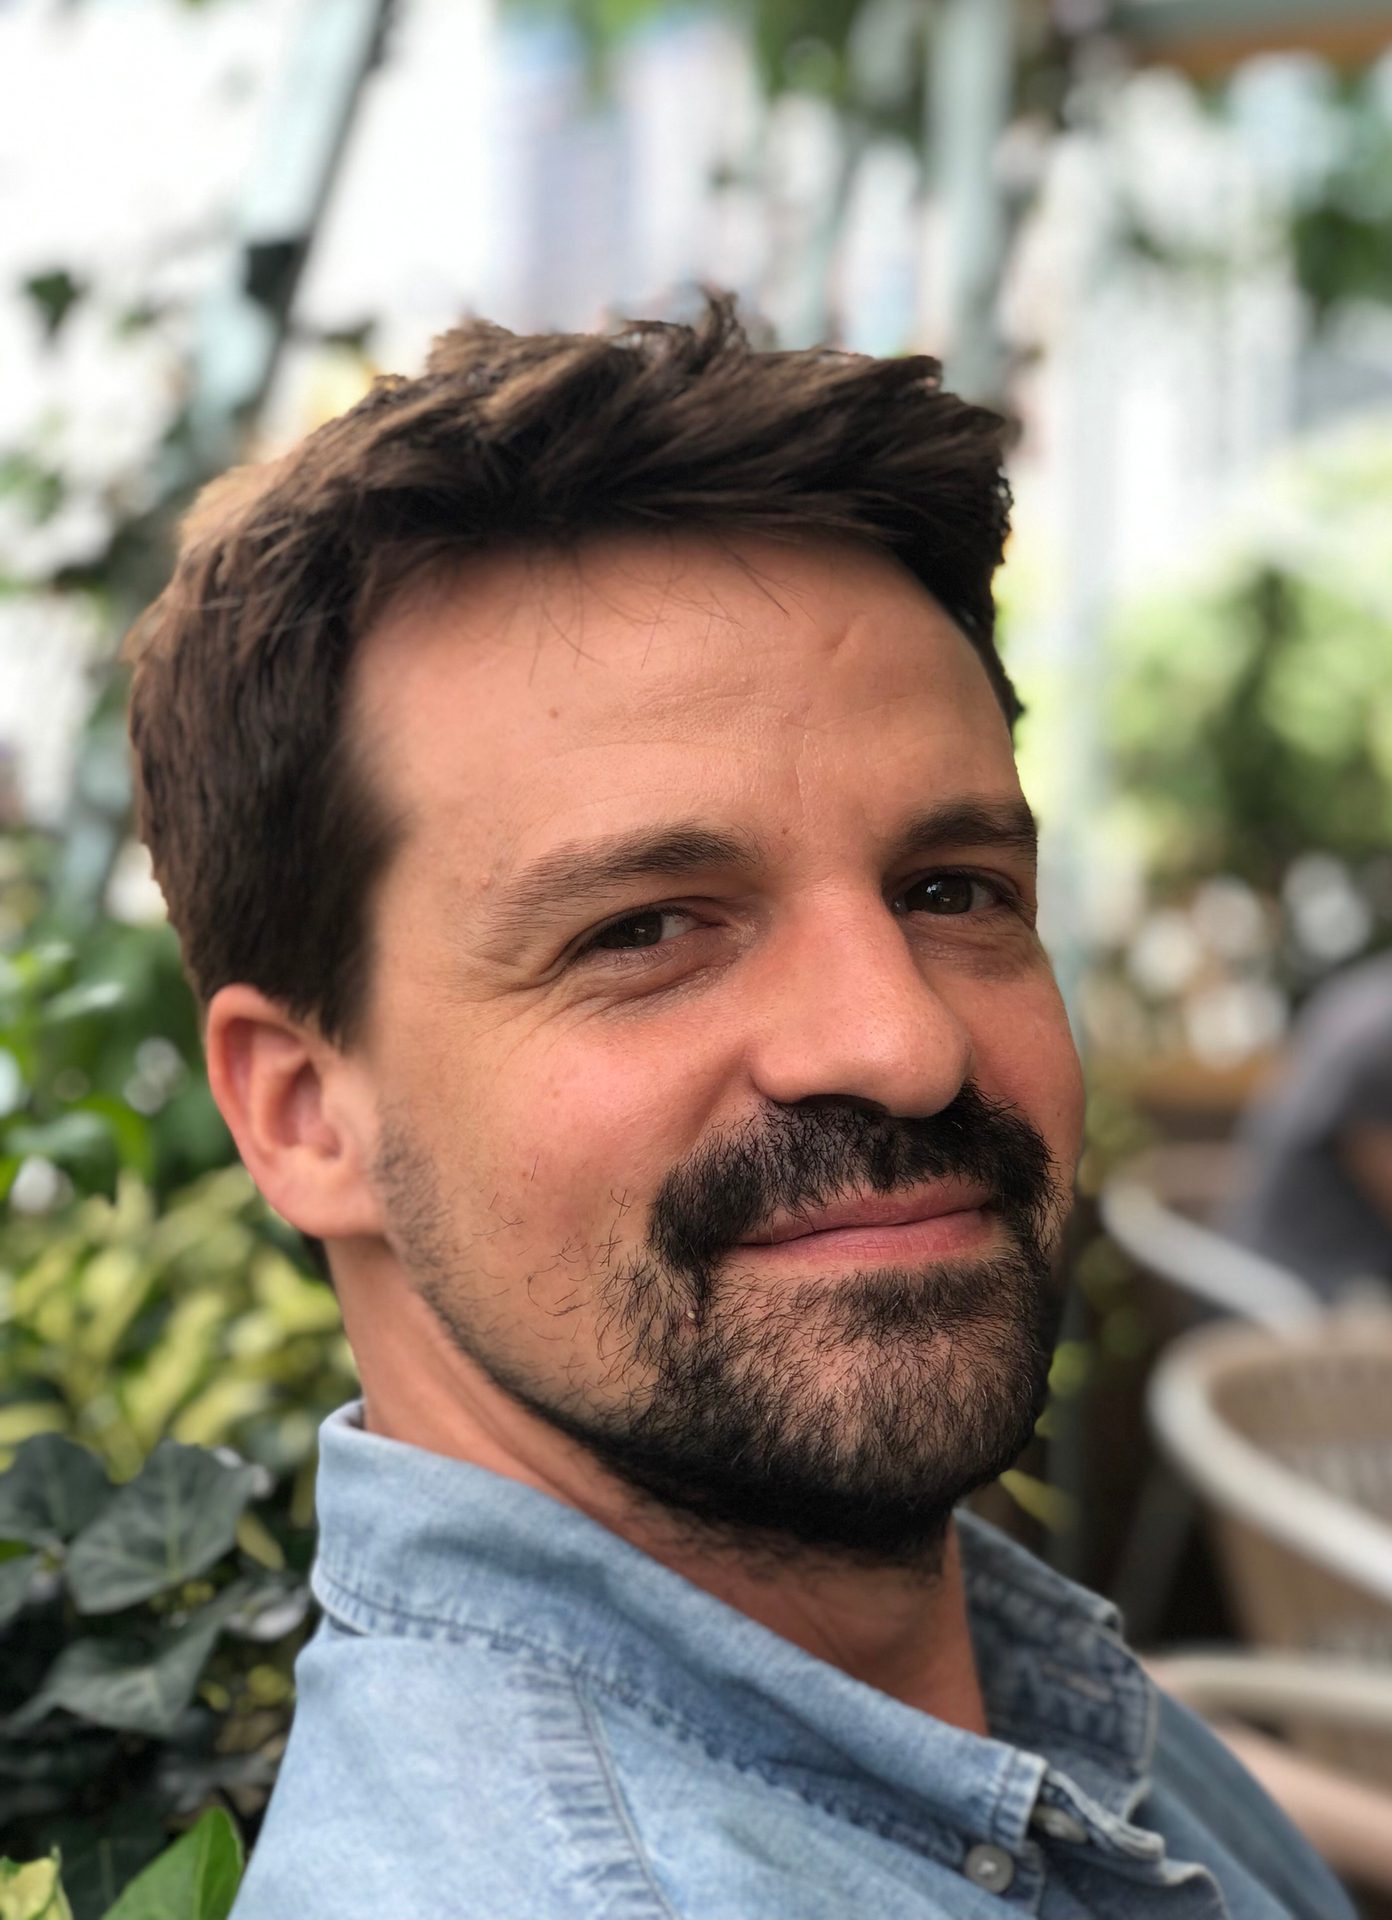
{"x":820,"y":1150}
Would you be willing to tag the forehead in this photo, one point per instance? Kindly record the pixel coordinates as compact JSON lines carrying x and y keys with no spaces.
{"x":645,"y":676}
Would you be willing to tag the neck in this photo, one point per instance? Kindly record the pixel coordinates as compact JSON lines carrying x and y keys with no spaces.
{"x":898,"y":1630}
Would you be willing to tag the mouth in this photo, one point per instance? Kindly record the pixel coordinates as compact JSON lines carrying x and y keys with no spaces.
{"x":945,"y":1218}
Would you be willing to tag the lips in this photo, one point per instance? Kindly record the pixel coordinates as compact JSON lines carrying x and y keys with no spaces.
{"x":873,"y":1210}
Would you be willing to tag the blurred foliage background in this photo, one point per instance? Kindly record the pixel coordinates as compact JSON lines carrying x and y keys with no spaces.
{"x":1160,"y":236}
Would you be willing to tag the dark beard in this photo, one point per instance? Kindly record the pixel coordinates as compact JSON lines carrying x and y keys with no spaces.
{"x":848,"y":1416}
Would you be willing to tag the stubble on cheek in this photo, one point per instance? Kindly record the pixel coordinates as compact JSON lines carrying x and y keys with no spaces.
{"x":564,"y":1313}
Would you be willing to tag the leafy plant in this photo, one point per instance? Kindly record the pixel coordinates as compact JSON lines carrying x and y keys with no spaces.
{"x":100,"y":1060}
{"x":121,"y":1324}
{"x":1256,"y":723}
{"x":148,"y":1636}
{"x":154,"y":1316}
{"x":195,"y":1879}
{"x":32,"y":1891}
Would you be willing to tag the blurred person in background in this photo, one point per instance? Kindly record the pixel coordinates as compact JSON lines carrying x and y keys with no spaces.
{"x":1318,"y":1187}
{"x":582,"y":782}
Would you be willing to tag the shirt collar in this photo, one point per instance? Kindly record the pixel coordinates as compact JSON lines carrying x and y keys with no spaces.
{"x":413,"y":1542}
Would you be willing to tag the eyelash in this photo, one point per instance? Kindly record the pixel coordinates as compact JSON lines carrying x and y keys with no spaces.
{"x":1005,"y":896}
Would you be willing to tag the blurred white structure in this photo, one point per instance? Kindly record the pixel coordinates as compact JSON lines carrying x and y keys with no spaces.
{"x":486,"y":171}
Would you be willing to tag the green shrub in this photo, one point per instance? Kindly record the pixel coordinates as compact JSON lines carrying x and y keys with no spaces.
{"x":121,"y":1323}
{"x":148,"y":1632}
{"x":100,"y":1057}
{"x":165,"y":1361}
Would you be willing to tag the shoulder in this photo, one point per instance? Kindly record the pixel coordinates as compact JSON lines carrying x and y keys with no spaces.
{"x":463,"y":1779}
{"x":1201,"y":1778}
{"x":456,"y":1778}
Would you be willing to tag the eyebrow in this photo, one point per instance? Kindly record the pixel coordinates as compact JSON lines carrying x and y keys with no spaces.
{"x":582,"y":870}
{"x":1007,"y":825}
{"x":586,"y":869}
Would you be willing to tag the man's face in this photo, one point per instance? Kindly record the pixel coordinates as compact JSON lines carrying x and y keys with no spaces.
{"x":713,"y":919}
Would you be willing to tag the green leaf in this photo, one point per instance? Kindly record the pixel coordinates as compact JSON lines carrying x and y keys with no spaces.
{"x":129,"y":1130}
{"x":52,"y":1491}
{"x":39,"y":969}
{"x":15,"y":1577}
{"x":22,"y":1420}
{"x":135,"y":1686}
{"x":196,"y":1879}
{"x":55,"y":294}
{"x":38,"y":488}
{"x":102,"y":1855}
{"x":113,"y":1286}
{"x":32,"y":1891}
{"x":72,"y":1136}
{"x":1049,"y":1505}
{"x":87,"y":997}
{"x":171,"y":1522}
{"x":12,"y":1083}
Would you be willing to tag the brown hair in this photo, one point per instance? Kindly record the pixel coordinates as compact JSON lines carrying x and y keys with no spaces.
{"x":266,"y":841}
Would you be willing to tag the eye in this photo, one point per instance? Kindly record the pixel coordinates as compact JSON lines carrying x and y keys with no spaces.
{"x":652,"y":927}
{"x":951,"y":894}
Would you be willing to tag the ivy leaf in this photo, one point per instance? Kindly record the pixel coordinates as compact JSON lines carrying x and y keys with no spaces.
{"x":133,"y":1685}
{"x":15,"y":1576}
{"x":195,"y":1879}
{"x":169,"y":1524}
{"x":53,"y":1490}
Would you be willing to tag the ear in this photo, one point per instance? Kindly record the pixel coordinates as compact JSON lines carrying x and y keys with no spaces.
{"x":300,"y":1111}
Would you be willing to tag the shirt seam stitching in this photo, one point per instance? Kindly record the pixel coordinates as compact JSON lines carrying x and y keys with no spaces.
{"x":1026,"y":1738}
{"x":604,"y":1758}
{"x":664,"y":1712}
{"x":670,"y":1718}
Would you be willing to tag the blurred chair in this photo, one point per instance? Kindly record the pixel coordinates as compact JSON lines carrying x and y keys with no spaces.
{"x":1155,"y":1207}
{"x":1348,"y":1820}
{"x":1287,"y":1440}
{"x":1148,"y":1207}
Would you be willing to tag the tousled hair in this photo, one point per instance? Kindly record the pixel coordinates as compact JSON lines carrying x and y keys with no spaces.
{"x":265,"y":835}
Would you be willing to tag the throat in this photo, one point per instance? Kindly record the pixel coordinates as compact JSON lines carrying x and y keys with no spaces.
{"x":905,"y":1634}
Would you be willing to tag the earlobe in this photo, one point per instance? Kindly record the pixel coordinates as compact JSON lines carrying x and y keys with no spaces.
{"x":297,"y":1111}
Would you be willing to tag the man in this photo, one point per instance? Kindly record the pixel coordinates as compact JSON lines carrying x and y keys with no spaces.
{"x":582,"y":782}
{"x":1319,"y":1193}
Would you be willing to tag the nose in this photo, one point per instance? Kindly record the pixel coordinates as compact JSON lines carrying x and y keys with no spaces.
{"x":848,"y":1012}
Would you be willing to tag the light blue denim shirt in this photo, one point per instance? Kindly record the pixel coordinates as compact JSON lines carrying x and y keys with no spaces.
{"x":508,"y":1713}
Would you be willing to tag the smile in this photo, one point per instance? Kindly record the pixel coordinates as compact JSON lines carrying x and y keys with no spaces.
{"x":937,"y":1222}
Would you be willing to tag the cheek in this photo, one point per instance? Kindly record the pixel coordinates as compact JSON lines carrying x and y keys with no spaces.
{"x":1027,"y":1056}
{"x":577,"y":1135}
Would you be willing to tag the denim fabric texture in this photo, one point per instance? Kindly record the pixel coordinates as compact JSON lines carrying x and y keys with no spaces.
{"x":508,"y":1713}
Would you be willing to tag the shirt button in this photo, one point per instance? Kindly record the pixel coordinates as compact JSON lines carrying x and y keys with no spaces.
{"x":989,"y":1867}
{"x":1059,"y":1825}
